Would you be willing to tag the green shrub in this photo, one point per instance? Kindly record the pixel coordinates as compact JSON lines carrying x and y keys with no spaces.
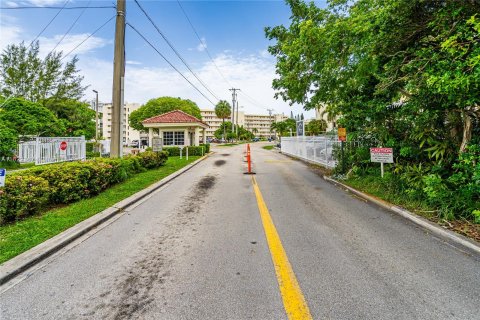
{"x":22,"y":196}
{"x":90,"y":146}
{"x":92,"y":154}
{"x":195,"y":150}
{"x":172,"y":151}
{"x":152,"y":159}
{"x":206,"y":146}
{"x":27,"y":192}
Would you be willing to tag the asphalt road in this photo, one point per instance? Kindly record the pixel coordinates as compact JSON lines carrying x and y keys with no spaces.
{"x":197,"y":249}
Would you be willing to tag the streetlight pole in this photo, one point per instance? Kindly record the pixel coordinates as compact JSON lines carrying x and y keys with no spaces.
{"x":96,"y":115}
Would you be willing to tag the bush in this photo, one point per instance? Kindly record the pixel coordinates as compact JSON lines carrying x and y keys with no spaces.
{"x":22,"y":196}
{"x":90,"y":146}
{"x":92,"y":154}
{"x":27,"y":192}
{"x":206,"y":146}
{"x":150,"y":159}
{"x":192,"y":151}
{"x":172,"y":151}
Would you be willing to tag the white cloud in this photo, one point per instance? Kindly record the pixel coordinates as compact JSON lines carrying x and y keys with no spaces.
{"x":252,"y":74}
{"x":9,"y":32}
{"x":70,"y":42}
{"x":133,"y":62}
{"x":202,"y":45}
{"x":11,"y":4}
{"x":43,"y":3}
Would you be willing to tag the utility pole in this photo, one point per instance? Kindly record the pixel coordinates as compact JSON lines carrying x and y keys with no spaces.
{"x":234,"y":99}
{"x":116,"y":149}
{"x":96,"y":115}
{"x":270,"y":113}
{"x":236,"y":120}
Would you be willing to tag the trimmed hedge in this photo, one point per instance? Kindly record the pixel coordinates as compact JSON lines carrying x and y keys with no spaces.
{"x":192,"y":151}
{"x":28,"y":192}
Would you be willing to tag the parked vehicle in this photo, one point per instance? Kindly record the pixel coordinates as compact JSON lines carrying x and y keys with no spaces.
{"x":134,"y":144}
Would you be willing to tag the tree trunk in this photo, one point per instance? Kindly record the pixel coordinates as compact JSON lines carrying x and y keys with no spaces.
{"x":467,"y":131}
{"x":223,"y":125}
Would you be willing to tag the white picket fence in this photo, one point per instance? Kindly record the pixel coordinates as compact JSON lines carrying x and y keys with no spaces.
{"x":315,"y":149}
{"x":45,"y":150}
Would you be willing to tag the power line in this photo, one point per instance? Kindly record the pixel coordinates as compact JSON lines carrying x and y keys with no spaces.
{"x":49,"y":23}
{"x":62,"y":8}
{"x":164,"y":58}
{"x":174,"y":50}
{"x":253,"y":101}
{"x":98,"y":29}
{"x":203,"y":44}
{"x":71,"y":26}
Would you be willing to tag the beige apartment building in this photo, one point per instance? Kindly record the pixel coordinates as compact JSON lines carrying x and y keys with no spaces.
{"x":250,"y":122}
{"x":129,"y":134}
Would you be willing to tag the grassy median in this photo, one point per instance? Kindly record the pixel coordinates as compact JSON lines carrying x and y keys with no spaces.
{"x":18,"y":237}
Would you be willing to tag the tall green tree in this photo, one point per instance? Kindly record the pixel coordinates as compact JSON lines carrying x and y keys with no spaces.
{"x":315,"y":127}
{"x":403,"y":71}
{"x":157,"y":106}
{"x":27,"y":118}
{"x":222,"y":111}
{"x":24,"y":74}
{"x":77,"y":118}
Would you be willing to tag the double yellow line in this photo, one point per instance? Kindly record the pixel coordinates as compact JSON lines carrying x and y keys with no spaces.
{"x":293,"y":300}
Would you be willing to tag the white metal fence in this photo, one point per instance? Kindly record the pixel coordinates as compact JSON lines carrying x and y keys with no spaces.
{"x":315,"y":149}
{"x":45,"y":150}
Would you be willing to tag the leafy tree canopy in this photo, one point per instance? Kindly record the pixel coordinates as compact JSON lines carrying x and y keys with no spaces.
{"x":157,"y":106}
{"x":27,"y":118}
{"x":222,"y":111}
{"x":315,"y":127}
{"x":76,"y":117}
{"x":404,"y":71}
{"x":24,"y":74}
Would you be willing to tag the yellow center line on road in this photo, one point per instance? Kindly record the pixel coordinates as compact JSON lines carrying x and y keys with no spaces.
{"x":293,"y":300}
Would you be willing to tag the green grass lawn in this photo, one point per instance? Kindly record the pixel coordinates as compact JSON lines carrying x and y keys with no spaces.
{"x":15,"y":166}
{"x":23,"y":235}
{"x":268,"y":147}
{"x":374,"y":186}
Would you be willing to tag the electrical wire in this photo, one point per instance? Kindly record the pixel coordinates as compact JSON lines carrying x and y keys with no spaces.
{"x":62,"y":8}
{"x":253,"y":101}
{"x":71,"y":27}
{"x":98,"y":29}
{"x":49,"y":23}
{"x":175,"y":50}
{"x":164,"y":58}
{"x":203,"y":44}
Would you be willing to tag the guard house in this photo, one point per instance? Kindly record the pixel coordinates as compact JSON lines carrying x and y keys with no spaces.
{"x":176,"y":128}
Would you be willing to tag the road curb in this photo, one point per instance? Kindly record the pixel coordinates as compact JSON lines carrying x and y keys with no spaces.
{"x":11,"y":268}
{"x":447,"y":235}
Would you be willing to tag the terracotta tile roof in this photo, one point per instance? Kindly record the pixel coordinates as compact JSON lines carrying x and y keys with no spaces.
{"x":175,"y":116}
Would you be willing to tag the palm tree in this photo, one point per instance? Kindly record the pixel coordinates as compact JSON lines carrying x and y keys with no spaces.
{"x":223,"y":110}
{"x":254,"y":130}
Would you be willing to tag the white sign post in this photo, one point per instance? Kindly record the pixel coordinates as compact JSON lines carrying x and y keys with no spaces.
{"x":382,"y":155}
{"x":3,"y":173}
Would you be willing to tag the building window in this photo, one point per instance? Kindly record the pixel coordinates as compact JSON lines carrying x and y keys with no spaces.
{"x":173,"y":138}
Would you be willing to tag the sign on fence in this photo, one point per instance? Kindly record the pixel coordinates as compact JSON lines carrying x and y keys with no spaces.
{"x":384,"y":155}
{"x":3,"y":173}
{"x":45,"y":150}
{"x":342,"y":134}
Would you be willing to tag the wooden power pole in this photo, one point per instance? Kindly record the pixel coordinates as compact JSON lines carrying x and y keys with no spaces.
{"x":116,"y":147}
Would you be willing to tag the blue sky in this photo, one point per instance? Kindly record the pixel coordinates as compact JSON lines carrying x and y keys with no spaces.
{"x":233,"y":32}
